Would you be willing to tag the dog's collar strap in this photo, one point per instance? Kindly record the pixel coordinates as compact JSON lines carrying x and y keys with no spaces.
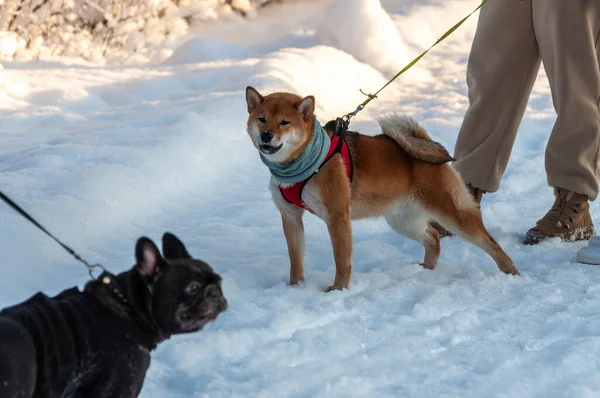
{"x":307,"y":163}
{"x":110,"y":281}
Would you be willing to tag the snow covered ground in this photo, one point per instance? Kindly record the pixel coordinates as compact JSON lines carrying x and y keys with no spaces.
{"x":102,"y":155}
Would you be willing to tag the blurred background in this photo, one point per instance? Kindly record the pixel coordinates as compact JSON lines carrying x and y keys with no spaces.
{"x":109,"y":31}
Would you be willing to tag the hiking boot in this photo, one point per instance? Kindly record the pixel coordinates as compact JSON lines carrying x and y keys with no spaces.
{"x":568,"y":219}
{"x":477,"y":195}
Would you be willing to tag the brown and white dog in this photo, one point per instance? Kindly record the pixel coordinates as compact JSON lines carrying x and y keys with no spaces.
{"x":401,"y":175}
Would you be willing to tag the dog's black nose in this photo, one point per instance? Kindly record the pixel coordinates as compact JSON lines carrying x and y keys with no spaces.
{"x":212,"y":291}
{"x":266,"y":136}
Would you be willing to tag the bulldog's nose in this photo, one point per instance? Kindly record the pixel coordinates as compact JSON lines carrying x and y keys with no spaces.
{"x":212,"y":291}
{"x":266,"y":136}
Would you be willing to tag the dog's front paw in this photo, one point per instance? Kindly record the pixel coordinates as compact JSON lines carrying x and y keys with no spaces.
{"x":510,"y":270}
{"x":335,"y":287}
{"x":296,"y":282}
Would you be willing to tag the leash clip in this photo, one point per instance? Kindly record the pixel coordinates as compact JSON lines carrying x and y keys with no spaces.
{"x":92,"y":268}
{"x":346,"y":118}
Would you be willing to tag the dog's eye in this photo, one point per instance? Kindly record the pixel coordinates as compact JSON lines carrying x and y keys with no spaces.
{"x":193,"y":288}
{"x":262,"y":119}
{"x":284,"y":123}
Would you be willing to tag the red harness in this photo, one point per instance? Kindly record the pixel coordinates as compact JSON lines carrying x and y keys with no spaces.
{"x":293,"y":193}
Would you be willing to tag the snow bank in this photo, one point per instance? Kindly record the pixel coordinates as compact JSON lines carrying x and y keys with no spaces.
{"x":421,"y":24}
{"x":364,"y":29}
{"x":332,"y":76}
{"x":199,"y":50}
{"x":8,"y":44}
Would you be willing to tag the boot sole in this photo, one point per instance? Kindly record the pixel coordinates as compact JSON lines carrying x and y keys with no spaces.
{"x":582,"y":257}
{"x":584,"y":233}
{"x":595,"y":241}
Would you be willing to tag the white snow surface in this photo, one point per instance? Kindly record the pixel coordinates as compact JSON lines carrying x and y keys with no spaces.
{"x":103,"y":155}
{"x":365,"y":30}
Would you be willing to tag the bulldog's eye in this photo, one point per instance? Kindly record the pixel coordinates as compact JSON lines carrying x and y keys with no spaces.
{"x":193,"y":288}
{"x":262,"y":119}
{"x":284,"y":123}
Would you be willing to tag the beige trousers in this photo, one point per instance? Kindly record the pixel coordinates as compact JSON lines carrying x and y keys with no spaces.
{"x":512,"y":37}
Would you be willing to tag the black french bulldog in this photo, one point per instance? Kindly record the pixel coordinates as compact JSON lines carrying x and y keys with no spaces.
{"x":97,"y":343}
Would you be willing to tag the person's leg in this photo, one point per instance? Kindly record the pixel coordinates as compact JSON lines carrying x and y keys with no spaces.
{"x":568,"y":36}
{"x":502,"y":67}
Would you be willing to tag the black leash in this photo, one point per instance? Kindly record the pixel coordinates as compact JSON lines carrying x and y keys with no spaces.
{"x":18,"y":209}
{"x":106,"y":277}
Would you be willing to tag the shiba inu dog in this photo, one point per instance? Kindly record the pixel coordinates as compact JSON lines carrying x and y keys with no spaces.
{"x":401,"y":175}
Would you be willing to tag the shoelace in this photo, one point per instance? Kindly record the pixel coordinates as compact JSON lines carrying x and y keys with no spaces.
{"x":558,"y":212}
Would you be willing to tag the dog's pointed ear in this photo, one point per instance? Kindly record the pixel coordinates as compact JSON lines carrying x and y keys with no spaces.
{"x":306,"y":106}
{"x":148,"y":258}
{"x":173,"y":248}
{"x":253,"y":98}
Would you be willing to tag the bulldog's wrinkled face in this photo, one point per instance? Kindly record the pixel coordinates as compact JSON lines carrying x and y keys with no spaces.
{"x":185,"y":293}
{"x":279,"y":124}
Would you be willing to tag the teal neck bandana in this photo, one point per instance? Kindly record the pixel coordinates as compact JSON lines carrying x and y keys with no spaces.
{"x":307,"y":163}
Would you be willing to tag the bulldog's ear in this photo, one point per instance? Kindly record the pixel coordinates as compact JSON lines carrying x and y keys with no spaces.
{"x":173,"y":248}
{"x":253,"y":98}
{"x":306,"y":107}
{"x":148,"y":258}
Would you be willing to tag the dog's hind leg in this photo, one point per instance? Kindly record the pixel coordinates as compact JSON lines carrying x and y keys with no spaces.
{"x":446,"y":198}
{"x":411,"y":221}
{"x":17,"y":361}
{"x":467,"y":223}
{"x":432,"y":247}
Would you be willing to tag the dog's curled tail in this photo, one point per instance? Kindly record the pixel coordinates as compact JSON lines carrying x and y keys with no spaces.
{"x":413,"y":139}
